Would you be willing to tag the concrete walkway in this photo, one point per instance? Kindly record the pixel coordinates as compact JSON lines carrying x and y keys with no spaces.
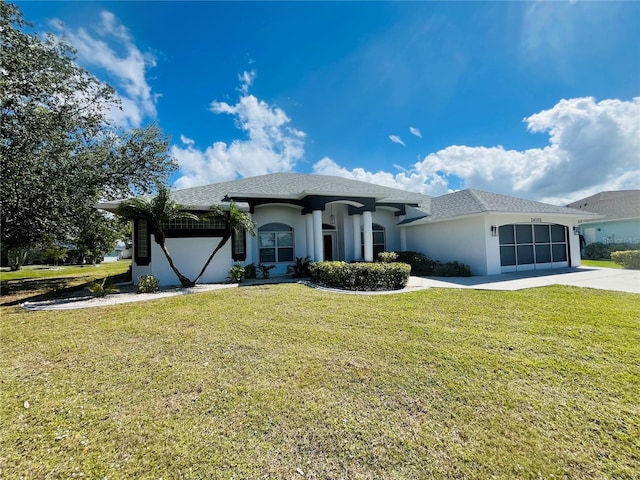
{"x":591,"y":277}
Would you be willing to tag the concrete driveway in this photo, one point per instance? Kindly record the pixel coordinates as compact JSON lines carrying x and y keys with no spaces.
{"x":591,"y":277}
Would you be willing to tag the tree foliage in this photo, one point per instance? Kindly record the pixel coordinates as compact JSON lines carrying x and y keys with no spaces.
{"x":59,"y":155}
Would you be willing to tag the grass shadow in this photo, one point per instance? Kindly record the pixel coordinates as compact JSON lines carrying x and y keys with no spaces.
{"x":15,"y":292}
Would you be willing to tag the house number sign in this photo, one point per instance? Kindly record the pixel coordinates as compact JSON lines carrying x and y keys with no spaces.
{"x":536,"y":220}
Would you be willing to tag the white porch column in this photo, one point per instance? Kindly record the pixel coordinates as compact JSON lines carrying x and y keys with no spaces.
{"x":403,"y":235}
{"x":367,"y":229}
{"x":357,"y":239}
{"x":308,"y":218}
{"x":318,"y":244}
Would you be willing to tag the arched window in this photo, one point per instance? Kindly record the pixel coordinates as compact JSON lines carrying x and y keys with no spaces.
{"x":378,"y":240}
{"x":275,"y":241}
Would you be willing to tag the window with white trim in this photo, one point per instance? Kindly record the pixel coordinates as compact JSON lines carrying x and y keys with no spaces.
{"x":239,"y":245}
{"x":379,"y":240}
{"x":275,"y":242}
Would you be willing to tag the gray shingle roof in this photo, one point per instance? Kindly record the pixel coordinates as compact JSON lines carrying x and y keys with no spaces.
{"x":292,"y":185}
{"x":471,"y":201}
{"x":297,"y":186}
{"x":614,"y":205}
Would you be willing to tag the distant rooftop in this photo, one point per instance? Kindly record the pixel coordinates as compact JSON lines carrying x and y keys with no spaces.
{"x":614,"y":205}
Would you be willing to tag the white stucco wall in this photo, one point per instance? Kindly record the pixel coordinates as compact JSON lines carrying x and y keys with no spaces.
{"x":469,"y":240}
{"x":279,"y":214}
{"x":463,"y":240}
{"x":189,"y":255}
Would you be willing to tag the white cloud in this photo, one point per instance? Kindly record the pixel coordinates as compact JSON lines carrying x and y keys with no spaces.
{"x":434,"y":184}
{"x":271,"y":145}
{"x":396,"y":139}
{"x":186,"y":141}
{"x":110,"y":46}
{"x":246,"y":79}
{"x":593,"y":146}
{"x":415,"y":131}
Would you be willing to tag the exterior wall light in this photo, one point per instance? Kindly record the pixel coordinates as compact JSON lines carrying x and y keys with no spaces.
{"x":494,"y":231}
{"x":576,"y":230}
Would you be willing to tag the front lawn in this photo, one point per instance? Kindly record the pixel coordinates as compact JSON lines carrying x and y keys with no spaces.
{"x":600,"y":263}
{"x":284,"y":381}
{"x":33,"y":280}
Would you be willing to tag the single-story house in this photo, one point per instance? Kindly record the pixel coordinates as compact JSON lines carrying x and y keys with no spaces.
{"x":333,"y":218}
{"x":117,"y":253}
{"x":619,"y":220}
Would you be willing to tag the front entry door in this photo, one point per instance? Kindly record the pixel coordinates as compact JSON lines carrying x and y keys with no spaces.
{"x":328,"y":247}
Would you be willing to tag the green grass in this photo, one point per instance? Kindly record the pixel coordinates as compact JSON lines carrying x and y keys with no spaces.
{"x":48,"y":271}
{"x":284,"y":381}
{"x":34,"y":280}
{"x":600,"y":263}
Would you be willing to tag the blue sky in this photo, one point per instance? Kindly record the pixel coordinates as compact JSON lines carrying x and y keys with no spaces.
{"x":537,"y":100}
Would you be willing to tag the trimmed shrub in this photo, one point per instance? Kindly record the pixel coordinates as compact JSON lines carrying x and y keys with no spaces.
{"x":361,"y":276}
{"x":420,"y":264}
{"x":148,"y":284}
{"x":628,"y":259}
{"x":250,"y":271}
{"x":602,"y":251}
{"x":423,"y":266}
{"x":452,"y":269}
{"x":388,"y":257}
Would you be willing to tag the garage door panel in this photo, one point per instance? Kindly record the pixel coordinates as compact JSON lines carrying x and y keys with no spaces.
{"x":543,"y":253}
{"x":527,"y":246}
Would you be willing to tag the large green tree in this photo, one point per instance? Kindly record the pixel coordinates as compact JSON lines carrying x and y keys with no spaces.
{"x":59,"y":155}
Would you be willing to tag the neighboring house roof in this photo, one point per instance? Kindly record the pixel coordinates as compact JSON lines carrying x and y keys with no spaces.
{"x":613,"y":205}
{"x":296,"y":186}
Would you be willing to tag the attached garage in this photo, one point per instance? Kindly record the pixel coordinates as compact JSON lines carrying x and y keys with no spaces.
{"x":533,"y":246}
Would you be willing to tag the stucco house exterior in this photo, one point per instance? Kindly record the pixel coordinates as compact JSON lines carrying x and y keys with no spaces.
{"x":618,"y":220}
{"x":333,"y":218}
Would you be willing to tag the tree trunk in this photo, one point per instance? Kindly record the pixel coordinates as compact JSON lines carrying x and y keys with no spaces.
{"x":223,"y":240}
{"x":184,"y":281}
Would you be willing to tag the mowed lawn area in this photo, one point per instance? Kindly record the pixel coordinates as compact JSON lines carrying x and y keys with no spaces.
{"x":286,"y":381}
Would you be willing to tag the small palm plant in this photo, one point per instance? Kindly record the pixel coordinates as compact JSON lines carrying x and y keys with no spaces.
{"x":101,"y":288}
{"x":265,"y":270}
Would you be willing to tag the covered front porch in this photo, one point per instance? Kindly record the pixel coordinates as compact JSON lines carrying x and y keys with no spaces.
{"x":326,"y":229}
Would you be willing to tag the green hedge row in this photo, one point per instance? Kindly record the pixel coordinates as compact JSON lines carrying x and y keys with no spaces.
{"x":628,"y":259}
{"x":361,"y":276}
{"x":423,"y":266}
{"x":603,"y":251}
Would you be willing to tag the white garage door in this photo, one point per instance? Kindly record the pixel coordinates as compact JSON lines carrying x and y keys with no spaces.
{"x":537,"y":246}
